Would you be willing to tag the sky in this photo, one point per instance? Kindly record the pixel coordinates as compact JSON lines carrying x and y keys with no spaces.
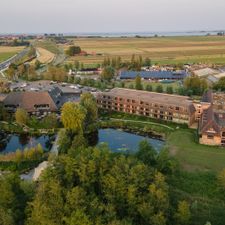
{"x":87,"y":16}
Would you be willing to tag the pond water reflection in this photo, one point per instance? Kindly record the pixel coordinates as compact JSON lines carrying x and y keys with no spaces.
{"x":121,"y":141}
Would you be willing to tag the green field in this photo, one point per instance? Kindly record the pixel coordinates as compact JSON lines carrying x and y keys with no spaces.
{"x":183,"y":145}
{"x":164,"y":50}
{"x":7,"y":51}
{"x":6,"y":55}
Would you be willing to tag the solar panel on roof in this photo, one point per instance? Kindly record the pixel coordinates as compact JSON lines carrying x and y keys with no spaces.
{"x":153,"y":74}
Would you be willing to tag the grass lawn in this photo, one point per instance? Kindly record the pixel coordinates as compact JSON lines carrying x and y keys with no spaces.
{"x":6,"y":55}
{"x":163,"y":50}
{"x":192,"y":156}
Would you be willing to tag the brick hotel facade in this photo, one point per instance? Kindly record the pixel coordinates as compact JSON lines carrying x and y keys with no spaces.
{"x":209,"y":113}
{"x":174,"y":108}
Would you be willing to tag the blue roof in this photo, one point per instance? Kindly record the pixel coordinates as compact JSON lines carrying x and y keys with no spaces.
{"x":153,"y":74}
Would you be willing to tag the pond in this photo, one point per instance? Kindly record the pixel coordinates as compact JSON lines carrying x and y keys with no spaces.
{"x":121,"y":141}
{"x":12,"y":142}
{"x":117,"y":140}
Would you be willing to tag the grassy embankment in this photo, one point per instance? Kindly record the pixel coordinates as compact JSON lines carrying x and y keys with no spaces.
{"x":162,"y":50}
{"x":48,"y":45}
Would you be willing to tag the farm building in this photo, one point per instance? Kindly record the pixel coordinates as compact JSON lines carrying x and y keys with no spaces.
{"x":154,"y":75}
{"x":205,"y":72}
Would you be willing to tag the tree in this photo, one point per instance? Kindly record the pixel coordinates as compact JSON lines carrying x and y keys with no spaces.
{"x":13,"y":200}
{"x":169,"y":90}
{"x":183,"y":214}
{"x":78,"y":217}
{"x":73,"y":50}
{"x":107,"y":73}
{"x":146,"y":153}
{"x":147,"y":62}
{"x":159,"y":88}
{"x":56,"y":73}
{"x":3,"y":113}
{"x":77,"y":65}
{"x":64,"y":141}
{"x":131,"y":86}
{"x":138,"y":84}
{"x":195,"y":84}
{"x":37,"y":64}
{"x":4,"y":87}
{"x":6,"y":218}
{"x":148,"y":87}
{"x":73,"y":116}
{"x":220,"y":85}
{"x":89,"y":103}
{"x":22,"y":71}
{"x":50,"y":121}
{"x":31,"y":73}
{"x":47,"y":206}
{"x":21,"y":116}
{"x":11,"y":72}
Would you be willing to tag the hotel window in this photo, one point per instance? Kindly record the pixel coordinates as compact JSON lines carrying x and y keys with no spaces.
{"x":177,"y":108}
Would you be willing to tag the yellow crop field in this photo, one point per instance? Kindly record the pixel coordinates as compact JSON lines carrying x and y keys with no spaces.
{"x":205,"y":49}
{"x":45,"y":56}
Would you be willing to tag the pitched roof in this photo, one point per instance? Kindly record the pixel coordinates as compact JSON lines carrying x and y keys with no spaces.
{"x":207,"y":96}
{"x":205,"y":72}
{"x":28,"y":100}
{"x":208,"y":121}
{"x":161,"y":98}
{"x":211,"y":120}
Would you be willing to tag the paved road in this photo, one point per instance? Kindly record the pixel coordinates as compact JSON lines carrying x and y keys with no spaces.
{"x":55,"y":145}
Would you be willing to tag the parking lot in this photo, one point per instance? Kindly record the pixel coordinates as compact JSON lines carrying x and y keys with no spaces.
{"x":48,"y":85}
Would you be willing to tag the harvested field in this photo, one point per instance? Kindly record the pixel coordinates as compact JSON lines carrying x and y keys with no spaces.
{"x":169,"y":50}
{"x":45,"y":56}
